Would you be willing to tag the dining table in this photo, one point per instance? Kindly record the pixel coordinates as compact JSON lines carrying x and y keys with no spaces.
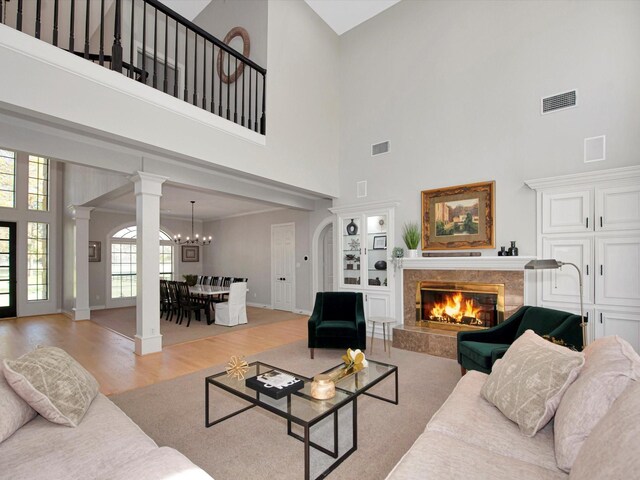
{"x":208,"y":292}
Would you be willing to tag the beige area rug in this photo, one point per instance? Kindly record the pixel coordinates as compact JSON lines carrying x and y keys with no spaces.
{"x":255,"y":444}
{"x":123,"y":321}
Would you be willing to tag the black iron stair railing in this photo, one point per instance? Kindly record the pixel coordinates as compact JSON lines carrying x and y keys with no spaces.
{"x":153,"y":45}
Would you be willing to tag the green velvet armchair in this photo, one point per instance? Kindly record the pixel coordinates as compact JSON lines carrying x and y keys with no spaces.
{"x":479,"y":350}
{"x":337,"y":321}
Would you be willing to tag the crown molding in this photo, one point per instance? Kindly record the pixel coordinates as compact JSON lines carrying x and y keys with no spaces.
{"x":585,"y":178}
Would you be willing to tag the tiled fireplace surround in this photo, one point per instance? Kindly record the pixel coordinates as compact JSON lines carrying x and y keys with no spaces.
{"x":442,"y":342}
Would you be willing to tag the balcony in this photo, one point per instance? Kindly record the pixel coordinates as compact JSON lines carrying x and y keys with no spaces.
{"x":151,"y":44}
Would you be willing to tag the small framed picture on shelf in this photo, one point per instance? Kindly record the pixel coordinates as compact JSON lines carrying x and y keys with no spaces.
{"x":379,"y":242}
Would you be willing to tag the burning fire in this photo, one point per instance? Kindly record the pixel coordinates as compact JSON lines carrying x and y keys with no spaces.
{"x":454,"y":310}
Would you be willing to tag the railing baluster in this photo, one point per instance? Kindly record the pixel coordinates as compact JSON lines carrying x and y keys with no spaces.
{"x":72,"y":23}
{"x":243,"y":75}
{"x":186,"y":64}
{"x":116,"y":50}
{"x":228,"y":86}
{"x":143,"y":75}
{"x":102,"y":19}
{"x":19,"y":17}
{"x":195,"y":71}
{"x":250,"y":91}
{"x":213,"y":78}
{"x":175,"y":71}
{"x":1,"y":12}
{"x":220,"y":73}
{"x":131,"y":37}
{"x":204,"y":73}
{"x":263,"y":120}
{"x":235,"y":94}
{"x":166,"y":57}
{"x":38,"y":17}
{"x":255,"y":119}
{"x":155,"y":49}
{"x":55,"y":23}
{"x":87,"y":16}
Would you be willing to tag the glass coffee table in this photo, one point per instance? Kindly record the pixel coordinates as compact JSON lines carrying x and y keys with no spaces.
{"x":301,"y":409}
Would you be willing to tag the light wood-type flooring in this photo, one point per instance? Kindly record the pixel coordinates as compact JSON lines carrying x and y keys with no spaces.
{"x":109,"y":356}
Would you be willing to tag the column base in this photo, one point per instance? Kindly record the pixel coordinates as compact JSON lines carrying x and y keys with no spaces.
{"x":146,"y":345}
{"x":81,"y":314}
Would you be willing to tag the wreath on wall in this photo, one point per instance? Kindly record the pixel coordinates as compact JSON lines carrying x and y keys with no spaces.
{"x":246,"y":49}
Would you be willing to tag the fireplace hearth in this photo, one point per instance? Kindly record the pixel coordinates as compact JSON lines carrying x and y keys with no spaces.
{"x":459,"y":305}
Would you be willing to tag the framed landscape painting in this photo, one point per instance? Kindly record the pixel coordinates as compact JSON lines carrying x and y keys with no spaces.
{"x":190,"y":253}
{"x":458,"y":217}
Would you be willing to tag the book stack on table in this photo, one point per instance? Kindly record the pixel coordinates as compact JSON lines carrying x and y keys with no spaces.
{"x":275,"y":384}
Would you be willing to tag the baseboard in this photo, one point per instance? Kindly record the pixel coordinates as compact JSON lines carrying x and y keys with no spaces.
{"x":66,"y":313}
{"x":259,"y":305}
{"x":303,"y":312}
{"x":97,"y":307}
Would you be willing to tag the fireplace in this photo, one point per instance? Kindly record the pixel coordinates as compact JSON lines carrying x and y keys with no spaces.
{"x":459,"y":305}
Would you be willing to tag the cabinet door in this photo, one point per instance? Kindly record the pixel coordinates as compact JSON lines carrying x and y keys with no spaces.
{"x":618,"y":271}
{"x":563,"y":284}
{"x":376,"y":251}
{"x":377,"y":305}
{"x":618,"y":208}
{"x":623,"y":324}
{"x":350,"y":251}
{"x":566,"y":212}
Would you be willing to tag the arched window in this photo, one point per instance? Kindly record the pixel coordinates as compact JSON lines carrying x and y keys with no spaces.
{"x":123,"y":261}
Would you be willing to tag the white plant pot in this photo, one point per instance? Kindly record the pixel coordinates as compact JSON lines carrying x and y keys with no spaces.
{"x":412,"y":253}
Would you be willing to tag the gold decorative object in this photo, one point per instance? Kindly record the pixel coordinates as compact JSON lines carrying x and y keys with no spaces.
{"x":323,"y":387}
{"x":237,"y":367}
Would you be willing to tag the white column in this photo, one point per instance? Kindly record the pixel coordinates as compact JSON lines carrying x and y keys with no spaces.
{"x":81,"y":216}
{"x":148,"y":190}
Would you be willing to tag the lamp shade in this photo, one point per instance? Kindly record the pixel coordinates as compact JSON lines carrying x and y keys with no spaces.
{"x":542,"y":264}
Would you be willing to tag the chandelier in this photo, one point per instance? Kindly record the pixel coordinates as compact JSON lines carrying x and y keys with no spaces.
{"x":194,"y":239}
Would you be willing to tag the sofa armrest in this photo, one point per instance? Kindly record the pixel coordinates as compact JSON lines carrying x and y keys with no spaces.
{"x":361,"y":322}
{"x":570,"y":332}
{"x":497,"y":354}
{"x":502,"y":333}
{"x":314,"y":320}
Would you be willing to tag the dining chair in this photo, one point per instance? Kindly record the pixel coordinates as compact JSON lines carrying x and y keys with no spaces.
{"x":174,"y":301}
{"x":165,"y":301}
{"x":216,"y":281}
{"x":188,"y":304}
{"x":233,"y":312}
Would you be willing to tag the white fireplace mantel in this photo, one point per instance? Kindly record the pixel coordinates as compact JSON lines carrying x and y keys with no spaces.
{"x":465,"y":263}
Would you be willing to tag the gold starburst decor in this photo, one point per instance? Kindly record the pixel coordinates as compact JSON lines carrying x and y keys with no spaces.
{"x":237,"y":367}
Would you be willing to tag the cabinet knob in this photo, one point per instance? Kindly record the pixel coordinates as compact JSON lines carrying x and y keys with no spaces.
{"x":587,"y":223}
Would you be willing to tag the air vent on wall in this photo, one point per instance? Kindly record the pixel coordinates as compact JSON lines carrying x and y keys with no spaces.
{"x":559,"y":102}
{"x":379,"y":148}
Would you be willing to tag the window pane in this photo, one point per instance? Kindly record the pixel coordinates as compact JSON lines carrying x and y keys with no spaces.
{"x":7,"y":178}
{"x":38,"y":198}
{"x":37,"y":261}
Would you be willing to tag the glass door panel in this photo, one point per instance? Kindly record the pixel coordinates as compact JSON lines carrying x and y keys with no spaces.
{"x":351,"y":250}
{"x":377,"y":250}
{"x":7,"y":269}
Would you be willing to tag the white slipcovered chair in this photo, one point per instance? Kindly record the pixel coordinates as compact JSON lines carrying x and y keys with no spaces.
{"x":233,"y":312}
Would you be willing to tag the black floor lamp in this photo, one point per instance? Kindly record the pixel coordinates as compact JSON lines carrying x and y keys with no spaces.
{"x":552,"y":264}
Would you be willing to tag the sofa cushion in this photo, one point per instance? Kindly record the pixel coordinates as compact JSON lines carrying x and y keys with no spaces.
{"x":480,"y":352}
{"x":438,"y":456}
{"x":611,"y":450}
{"x":157,"y":464}
{"x":467,"y":416}
{"x":14,"y":411}
{"x":610,"y":365}
{"x":527,"y":384}
{"x":339,"y":306}
{"x":53,"y":383}
{"x":44,"y":450}
{"x":335,"y":328}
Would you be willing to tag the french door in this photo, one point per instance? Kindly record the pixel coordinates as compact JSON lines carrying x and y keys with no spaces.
{"x":7,"y":269}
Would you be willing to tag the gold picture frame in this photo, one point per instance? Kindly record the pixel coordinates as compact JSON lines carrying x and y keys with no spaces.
{"x":460,"y":217}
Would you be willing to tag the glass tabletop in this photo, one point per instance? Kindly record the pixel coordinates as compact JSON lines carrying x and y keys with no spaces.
{"x":365,"y":378}
{"x":299,"y":405}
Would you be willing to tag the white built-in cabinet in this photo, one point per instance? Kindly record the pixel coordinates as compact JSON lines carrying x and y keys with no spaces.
{"x":592,"y":220}
{"x":364,"y":239}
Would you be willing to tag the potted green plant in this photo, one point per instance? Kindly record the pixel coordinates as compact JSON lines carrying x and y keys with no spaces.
{"x":190,"y":279}
{"x":411,"y":237}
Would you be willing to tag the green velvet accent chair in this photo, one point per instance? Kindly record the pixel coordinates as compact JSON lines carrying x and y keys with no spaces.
{"x":337,"y":321}
{"x":479,"y":349}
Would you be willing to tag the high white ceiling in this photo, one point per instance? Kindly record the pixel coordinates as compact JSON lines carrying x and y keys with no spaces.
{"x":343,"y":15}
{"x":175,"y":203}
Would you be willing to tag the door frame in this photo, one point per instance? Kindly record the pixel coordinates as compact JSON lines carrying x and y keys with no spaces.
{"x":13,"y":271}
{"x":315,"y":255}
{"x":273,"y":275}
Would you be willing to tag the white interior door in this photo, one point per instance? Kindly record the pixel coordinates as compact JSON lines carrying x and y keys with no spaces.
{"x":563,"y":285}
{"x":283,"y":251}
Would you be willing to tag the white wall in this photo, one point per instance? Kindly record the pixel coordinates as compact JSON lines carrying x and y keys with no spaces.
{"x":456,"y":87}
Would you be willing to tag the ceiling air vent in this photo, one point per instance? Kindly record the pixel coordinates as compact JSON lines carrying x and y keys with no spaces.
{"x":559,"y":102}
{"x":379,"y":148}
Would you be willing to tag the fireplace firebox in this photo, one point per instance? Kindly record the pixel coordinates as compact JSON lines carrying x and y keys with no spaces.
{"x":459,"y":306}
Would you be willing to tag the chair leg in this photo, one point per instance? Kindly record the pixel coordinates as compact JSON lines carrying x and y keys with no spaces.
{"x":312,"y":351}
{"x":463,"y":370}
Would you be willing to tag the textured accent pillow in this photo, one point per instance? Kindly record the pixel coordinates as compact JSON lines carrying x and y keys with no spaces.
{"x":610,"y":365}
{"x":527,"y":384}
{"x":53,"y":383}
{"x":14,"y":411}
{"x":611,"y":451}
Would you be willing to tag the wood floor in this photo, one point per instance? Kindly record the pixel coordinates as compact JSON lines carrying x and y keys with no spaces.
{"x":109,"y":356}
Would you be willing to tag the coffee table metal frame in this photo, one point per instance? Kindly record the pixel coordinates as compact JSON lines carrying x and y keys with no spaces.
{"x":351,"y":397}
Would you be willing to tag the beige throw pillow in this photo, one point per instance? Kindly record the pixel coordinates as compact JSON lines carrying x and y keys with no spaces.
{"x":53,"y":383}
{"x":527,"y":384}
{"x":610,"y":365}
{"x":14,"y":411}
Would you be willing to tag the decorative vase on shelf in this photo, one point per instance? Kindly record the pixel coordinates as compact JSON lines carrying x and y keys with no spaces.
{"x":412,"y":253}
{"x":352,"y":228}
{"x":380,"y":265}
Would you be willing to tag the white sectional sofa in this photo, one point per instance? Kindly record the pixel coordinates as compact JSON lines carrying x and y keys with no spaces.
{"x":469,"y":438}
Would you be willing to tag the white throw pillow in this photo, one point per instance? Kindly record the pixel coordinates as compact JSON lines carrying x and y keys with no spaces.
{"x":610,"y":365}
{"x":527,"y":384}
{"x":53,"y":383}
{"x":14,"y":411}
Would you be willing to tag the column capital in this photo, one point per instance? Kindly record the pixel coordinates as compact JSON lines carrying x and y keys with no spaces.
{"x":80,"y":213}
{"x":147,"y":183}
